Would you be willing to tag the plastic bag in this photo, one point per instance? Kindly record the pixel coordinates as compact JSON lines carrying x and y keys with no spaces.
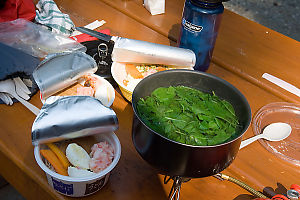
{"x":35,"y":39}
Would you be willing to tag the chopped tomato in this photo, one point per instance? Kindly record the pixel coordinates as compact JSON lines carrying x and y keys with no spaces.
{"x":90,"y":81}
{"x":161,"y":69}
{"x":132,"y":71}
{"x":125,"y":82}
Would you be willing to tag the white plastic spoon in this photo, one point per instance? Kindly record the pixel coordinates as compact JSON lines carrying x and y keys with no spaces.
{"x":8,"y":86}
{"x":273,"y":132}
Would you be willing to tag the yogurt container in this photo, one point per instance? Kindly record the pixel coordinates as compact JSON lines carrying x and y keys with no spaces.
{"x":75,"y":119}
{"x":80,"y":187}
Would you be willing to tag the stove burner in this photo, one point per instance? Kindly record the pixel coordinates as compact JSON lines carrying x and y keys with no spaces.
{"x":175,"y":190}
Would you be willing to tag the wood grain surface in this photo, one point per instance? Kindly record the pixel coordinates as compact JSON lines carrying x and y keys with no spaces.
{"x":243,"y":47}
{"x":243,"y":52}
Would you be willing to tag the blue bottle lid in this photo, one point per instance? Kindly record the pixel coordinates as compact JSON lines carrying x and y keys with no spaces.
{"x":207,"y":3}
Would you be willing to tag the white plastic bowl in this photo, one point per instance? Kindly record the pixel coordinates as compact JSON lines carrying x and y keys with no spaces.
{"x":119,"y":73}
{"x":105,"y":94}
{"x":79,"y":187}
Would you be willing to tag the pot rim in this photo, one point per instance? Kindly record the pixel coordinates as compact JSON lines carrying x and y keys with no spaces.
{"x":245,"y":128}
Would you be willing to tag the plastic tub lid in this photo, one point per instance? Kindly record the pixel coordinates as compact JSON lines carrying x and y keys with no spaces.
{"x":287,"y":149}
{"x":61,"y":70}
{"x":72,"y":117}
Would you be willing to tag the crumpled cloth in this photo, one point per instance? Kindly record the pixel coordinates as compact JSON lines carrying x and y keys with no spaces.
{"x":49,"y":15}
{"x":15,"y":63}
{"x":14,"y":9}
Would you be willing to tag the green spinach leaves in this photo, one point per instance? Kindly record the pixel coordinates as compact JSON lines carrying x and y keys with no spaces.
{"x":188,"y":115}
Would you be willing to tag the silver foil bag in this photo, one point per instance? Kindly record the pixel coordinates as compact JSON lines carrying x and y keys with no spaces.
{"x":72,"y":117}
{"x":137,"y":51}
{"x":59,"y":71}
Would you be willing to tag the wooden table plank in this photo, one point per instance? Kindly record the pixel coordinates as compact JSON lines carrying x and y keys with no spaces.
{"x":257,"y":50}
{"x":243,"y":46}
{"x":133,"y":178}
{"x":84,"y":12}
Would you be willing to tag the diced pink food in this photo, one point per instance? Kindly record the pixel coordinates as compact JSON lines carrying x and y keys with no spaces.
{"x":85,"y":91}
{"x":149,"y":72}
{"x":102,"y":156}
{"x":91,"y":81}
{"x":97,"y":84}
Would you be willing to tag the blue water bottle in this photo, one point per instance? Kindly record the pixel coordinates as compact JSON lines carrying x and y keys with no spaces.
{"x":199,"y":29}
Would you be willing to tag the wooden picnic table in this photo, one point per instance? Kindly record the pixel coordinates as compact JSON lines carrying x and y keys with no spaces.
{"x":244,"y":51}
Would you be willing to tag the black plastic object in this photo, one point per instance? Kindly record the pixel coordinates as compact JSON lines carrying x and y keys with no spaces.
{"x":100,"y":50}
{"x":176,"y":159}
{"x":104,"y":60}
{"x":100,"y":36}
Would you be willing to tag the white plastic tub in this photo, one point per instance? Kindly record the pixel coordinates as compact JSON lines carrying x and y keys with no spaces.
{"x":79,"y":187}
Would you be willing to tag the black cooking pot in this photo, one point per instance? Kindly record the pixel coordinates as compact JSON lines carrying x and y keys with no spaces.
{"x":176,"y":159}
